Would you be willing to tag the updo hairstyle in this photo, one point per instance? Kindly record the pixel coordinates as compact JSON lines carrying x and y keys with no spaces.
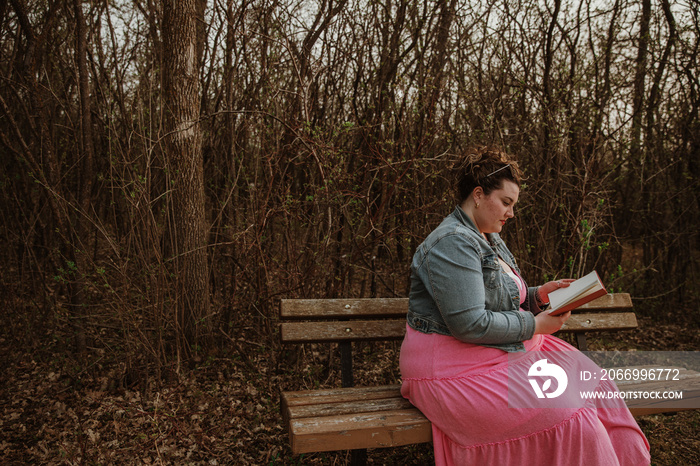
{"x":484,"y":166}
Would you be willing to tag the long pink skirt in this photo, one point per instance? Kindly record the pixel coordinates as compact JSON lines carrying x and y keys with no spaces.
{"x":463,"y":389}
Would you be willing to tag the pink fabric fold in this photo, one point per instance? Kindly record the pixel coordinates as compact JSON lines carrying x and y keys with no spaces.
{"x":463,"y":389}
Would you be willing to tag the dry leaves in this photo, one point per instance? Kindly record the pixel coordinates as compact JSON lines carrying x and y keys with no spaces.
{"x":223,"y":412}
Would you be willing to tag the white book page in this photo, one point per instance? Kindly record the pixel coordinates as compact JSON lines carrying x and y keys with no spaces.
{"x":580,"y":287}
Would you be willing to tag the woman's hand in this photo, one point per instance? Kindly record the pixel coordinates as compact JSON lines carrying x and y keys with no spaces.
{"x":543,"y":291}
{"x":547,"y":324}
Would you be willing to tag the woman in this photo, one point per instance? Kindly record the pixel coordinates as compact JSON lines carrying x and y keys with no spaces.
{"x":469,"y":312}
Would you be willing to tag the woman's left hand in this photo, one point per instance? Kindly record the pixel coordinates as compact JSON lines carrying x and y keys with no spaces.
{"x":544,"y":290}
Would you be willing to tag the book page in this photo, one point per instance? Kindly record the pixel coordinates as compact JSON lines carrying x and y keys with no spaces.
{"x":577,"y":289}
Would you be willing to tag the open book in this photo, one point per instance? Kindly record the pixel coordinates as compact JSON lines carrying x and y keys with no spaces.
{"x":580,"y":292}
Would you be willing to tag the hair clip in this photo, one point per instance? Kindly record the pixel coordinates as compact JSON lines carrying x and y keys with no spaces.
{"x":494,"y":172}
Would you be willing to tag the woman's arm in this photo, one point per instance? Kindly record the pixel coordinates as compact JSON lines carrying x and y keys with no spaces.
{"x":452,"y":274}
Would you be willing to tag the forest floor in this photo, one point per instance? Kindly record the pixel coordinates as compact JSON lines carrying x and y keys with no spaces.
{"x":225,"y":410}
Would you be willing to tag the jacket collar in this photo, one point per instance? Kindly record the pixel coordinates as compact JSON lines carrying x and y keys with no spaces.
{"x":492,"y":238}
{"x":465,"y":219}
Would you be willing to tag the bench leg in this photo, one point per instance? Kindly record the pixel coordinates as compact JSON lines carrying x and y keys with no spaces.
{"x":358,"y":457}
{"x":581,"y":341}
{"x":346,"y":364}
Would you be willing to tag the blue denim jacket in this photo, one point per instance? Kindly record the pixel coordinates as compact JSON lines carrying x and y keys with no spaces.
{"x":458,"y":288}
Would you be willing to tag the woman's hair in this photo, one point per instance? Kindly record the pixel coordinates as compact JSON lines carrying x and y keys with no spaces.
{"x":484,"y":166}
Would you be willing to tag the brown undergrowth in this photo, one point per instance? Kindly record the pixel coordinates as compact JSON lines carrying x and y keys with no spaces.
{"x":226,"y":409}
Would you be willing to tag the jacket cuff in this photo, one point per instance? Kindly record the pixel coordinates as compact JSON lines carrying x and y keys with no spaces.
{"x":528,"y":325}
{"x":532,"y":301}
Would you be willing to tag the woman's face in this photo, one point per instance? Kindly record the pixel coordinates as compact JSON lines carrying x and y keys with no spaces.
{"x":496,"y":208}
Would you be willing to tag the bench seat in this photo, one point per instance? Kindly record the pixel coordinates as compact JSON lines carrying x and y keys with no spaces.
{"x":379,"y":417}
{"x":352,"y":418}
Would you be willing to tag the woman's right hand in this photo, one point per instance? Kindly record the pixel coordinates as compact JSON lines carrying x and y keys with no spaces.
{"x":547,"y":324}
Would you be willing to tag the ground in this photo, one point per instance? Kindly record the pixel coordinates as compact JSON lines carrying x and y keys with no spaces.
{"x":226,"y":409}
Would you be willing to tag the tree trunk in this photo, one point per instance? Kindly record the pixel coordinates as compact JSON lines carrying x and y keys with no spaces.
{"x":547,"y":120}
{"x":86,"y":157}
{"x":639,"y":80}
{"x":183,"y":155}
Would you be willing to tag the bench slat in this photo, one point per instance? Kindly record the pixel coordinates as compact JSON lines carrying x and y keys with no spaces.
{"x":358,"y":330}
{"x":354,"y":330}
{"x":342,"y":308}
{"x":355,"y":431}
{"x":691,"y":398}
{"x":349,"y":407}
{"x":586,"y":322}
{"x":340,"y":395}
{"x":292,"y":401}
{"x":685,"y":376}
{"x":396,"y":307}
{"x":688,"y":383}
{"x":608,"y":302}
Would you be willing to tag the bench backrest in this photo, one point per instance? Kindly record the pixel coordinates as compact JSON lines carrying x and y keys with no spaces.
{"x":337,"y":320}
{"x":343,"y":321}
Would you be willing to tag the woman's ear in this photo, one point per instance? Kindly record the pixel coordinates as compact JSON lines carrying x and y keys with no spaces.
{"x":478,"y":194}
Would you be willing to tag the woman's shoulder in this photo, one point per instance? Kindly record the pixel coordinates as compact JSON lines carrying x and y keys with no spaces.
{"x":451,"y":230}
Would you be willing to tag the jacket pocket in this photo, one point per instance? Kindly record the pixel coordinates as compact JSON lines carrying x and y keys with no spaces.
{"x":491,"y":270}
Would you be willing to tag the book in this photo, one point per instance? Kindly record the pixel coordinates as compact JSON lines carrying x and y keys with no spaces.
{"x":578,"y":293}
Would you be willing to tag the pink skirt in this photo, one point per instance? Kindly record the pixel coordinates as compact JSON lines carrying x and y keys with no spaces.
{"x":463,"y":389}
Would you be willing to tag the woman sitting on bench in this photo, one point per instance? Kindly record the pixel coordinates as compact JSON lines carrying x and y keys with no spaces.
{"x":469,"y":309}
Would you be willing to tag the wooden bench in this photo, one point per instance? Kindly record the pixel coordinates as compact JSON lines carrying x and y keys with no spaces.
{"x":357,"y":418}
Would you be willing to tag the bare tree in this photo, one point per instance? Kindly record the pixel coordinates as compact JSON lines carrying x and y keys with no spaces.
{"x":183,"y":154}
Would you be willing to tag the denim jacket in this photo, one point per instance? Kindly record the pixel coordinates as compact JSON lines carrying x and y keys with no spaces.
{"x":458,"y":288}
